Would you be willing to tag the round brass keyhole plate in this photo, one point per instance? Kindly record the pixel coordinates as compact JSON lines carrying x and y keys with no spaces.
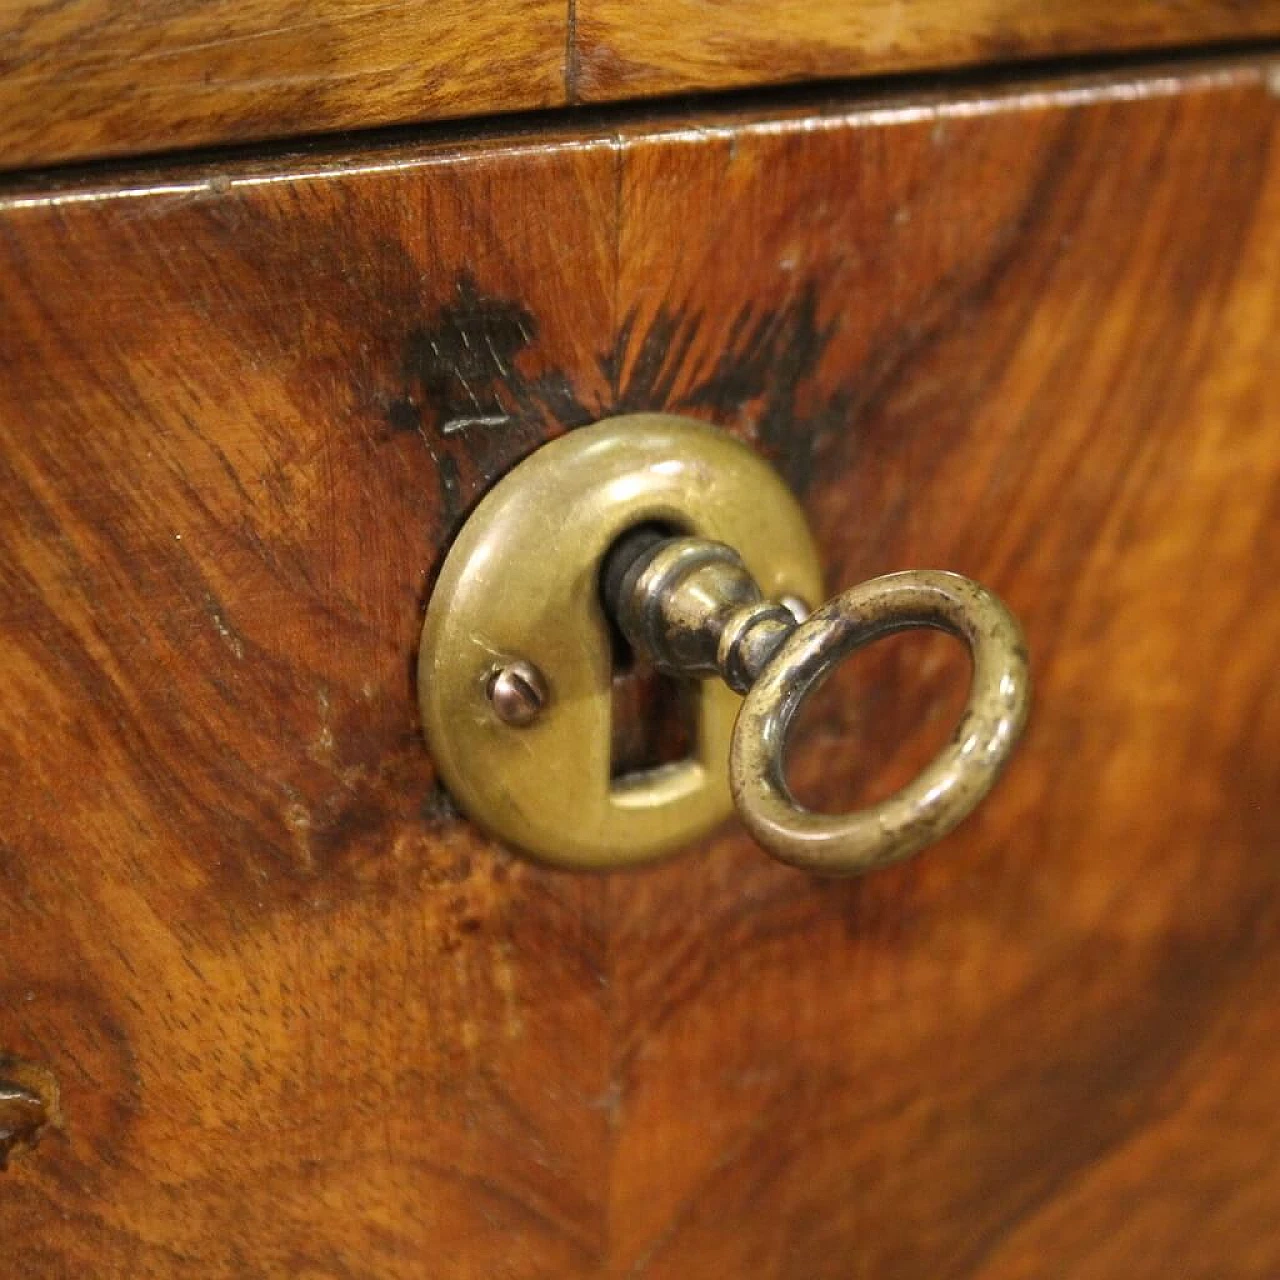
{"x":520,"y":585}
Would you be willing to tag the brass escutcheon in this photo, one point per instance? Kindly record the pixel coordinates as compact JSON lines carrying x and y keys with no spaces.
{"x":516,"y":663}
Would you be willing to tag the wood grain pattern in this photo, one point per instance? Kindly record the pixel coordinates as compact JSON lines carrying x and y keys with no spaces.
{"x":84,"y":79}
{"x":626,"y":50}
{"x":305,"y":1022}
{"x":89,"y":78}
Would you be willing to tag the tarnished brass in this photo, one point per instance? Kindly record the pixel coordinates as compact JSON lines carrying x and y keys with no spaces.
{"x":521,"y":590}
{"x":948,"y":789}
{"x":692,"y":545}
{"x":691,"y":606}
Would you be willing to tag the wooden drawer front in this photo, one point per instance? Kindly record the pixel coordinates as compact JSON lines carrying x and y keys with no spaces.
{"x":306,"y":1022}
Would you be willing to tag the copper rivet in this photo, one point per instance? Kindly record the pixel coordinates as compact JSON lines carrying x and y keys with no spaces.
{"x":517,"y":693}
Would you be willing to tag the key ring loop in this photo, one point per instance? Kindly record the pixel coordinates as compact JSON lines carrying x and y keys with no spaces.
{"x":948,"y":789}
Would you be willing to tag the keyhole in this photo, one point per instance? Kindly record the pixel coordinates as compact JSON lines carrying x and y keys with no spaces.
{"x":653,"y":716}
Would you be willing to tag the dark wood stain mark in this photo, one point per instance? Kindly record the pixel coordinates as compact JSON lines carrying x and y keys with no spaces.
{"x":462,"y":362}
{"x":463,"y":371}
{"x":464,"y":380}
{"x":771,"y":357}
{"x":463,"y":377}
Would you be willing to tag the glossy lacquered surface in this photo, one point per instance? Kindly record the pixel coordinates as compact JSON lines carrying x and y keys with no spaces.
{"x":626,"y":50}
{"x":83,"y":79}
{"x":306,"y":1021}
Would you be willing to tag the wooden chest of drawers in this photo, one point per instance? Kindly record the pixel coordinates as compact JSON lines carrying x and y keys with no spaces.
{"x":270,"y":1007}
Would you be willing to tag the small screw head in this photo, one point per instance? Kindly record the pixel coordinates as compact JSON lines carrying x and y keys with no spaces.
{"x":517,"y":692}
